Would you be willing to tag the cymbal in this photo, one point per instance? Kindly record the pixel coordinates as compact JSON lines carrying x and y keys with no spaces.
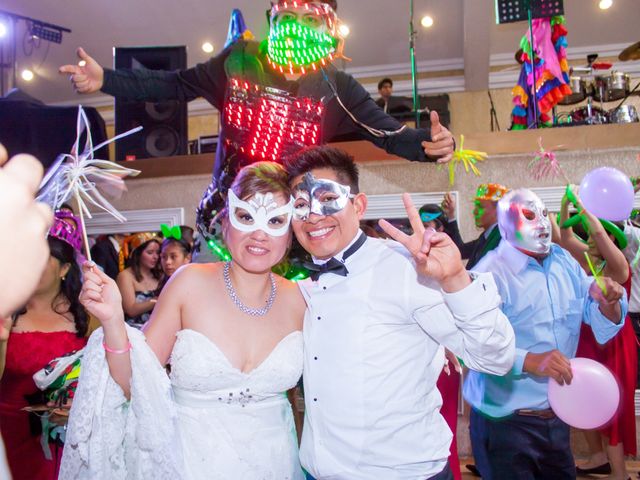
{"x":632,"y":52}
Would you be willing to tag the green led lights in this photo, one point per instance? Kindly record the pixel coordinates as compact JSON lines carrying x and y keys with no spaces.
{"x":296,"y":48}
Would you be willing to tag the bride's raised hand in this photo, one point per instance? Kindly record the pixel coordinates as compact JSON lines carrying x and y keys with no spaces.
{"x":100,"y":295}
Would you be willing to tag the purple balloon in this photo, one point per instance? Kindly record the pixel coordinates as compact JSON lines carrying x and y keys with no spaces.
{"x":607,"y":193}
{"x":591,"y":400}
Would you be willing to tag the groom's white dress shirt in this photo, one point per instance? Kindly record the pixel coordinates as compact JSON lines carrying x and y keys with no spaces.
{"x":373,"y":353}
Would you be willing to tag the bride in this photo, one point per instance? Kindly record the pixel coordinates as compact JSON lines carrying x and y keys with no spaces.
{"x":231,"y":333}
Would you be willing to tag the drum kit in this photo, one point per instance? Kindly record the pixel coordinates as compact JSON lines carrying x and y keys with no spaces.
{"x":601,"y":83}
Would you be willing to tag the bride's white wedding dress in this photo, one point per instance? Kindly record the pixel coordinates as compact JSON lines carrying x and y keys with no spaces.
{"x":207,"y":420}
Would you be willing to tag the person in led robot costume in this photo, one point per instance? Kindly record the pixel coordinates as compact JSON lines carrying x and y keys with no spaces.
{"x":277,"y":96}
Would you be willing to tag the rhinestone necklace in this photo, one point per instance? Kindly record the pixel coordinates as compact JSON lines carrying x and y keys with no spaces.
{"x":255,"y":312}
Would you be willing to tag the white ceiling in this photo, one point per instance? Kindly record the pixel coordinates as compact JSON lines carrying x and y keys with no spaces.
{"x":379,"y":32}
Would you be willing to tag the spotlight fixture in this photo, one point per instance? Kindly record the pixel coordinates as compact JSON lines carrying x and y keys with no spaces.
{"x":344,"y":30}
{"x":426,"y":21}
{"x":207,"y":47}
{"x":46,"y":32}
{"x":27,"y":75}
{"x":605,"y":4}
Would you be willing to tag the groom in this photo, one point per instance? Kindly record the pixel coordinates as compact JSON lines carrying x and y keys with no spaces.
{"x":374,"y":329}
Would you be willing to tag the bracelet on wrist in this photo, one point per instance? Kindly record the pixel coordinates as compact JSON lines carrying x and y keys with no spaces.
{"x":117,"y":352}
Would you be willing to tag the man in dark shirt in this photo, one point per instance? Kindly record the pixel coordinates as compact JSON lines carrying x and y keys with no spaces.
{"x":105,"y":254}
{"x":485,"y":215}
{"x":385,"y":89}
{"x":314,"y":103}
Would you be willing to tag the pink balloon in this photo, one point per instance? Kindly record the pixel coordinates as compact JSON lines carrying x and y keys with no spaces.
{"x":591,"y":400}
{"x":607,"y":193}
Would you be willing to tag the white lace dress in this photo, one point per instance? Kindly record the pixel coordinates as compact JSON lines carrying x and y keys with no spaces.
{"x":208,"y":420}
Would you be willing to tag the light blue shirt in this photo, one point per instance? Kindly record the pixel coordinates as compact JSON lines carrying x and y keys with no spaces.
{"x":546,"y":304}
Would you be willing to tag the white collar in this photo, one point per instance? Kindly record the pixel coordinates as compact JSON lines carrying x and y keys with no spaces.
{"x":115,"y":243}
{"x":488,"y":231}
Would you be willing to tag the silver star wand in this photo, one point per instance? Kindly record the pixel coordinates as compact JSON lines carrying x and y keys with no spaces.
{"x":79,"y":175}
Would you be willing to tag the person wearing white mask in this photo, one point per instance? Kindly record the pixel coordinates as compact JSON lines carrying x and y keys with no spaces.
{"x":546,"y":295}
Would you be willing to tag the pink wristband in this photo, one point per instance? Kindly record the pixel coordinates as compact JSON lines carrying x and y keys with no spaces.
{"x":111,"y":350}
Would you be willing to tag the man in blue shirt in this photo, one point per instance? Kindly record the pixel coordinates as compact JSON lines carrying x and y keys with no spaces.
{"x":546,"y":296}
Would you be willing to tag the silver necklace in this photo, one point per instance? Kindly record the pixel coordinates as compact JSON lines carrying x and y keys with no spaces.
{"x":255,"y":312}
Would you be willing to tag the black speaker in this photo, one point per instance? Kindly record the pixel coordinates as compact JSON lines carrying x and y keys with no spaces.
{"x":164,"y":123}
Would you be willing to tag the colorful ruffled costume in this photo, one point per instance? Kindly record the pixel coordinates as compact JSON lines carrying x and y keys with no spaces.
{"x":552,"y":72}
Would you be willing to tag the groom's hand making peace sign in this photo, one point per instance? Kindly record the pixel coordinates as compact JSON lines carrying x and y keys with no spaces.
{"x":435,"y":254}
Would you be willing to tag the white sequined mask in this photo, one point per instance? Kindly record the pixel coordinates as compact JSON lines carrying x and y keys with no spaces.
{"x":260,"y":212}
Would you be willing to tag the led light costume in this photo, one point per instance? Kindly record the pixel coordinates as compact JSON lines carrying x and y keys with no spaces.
{"x":276,"y":96}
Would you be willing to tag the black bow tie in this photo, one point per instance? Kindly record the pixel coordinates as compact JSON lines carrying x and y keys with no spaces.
{"x":334,"y":265}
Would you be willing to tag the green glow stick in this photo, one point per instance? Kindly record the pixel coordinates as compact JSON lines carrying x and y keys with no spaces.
{"x":597,"y":275}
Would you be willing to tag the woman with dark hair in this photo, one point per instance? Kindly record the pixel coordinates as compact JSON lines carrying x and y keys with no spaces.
{"x":174,"y":253}
{"x":231,"y":332}
{"x":52,"y":324}
{"x":139,"y":281}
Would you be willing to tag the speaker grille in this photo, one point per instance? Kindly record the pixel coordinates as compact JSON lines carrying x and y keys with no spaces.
{"x":164,"y":123}
{"x":162,"y":141}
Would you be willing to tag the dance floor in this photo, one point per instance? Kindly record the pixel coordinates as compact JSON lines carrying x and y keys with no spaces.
{"x":632,"y":466}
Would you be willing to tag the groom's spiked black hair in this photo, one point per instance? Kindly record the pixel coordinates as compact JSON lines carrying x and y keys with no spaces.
{"x":311,"y":158}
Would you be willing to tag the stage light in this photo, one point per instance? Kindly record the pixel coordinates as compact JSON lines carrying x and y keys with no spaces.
{"x":426,"y":21}
{"x":605,"y":4}
{"x":27,"y":75}
{"x":3,"y":29}
{"x":344,"y":30}
{"x":82,"y":63}
{"x":45,"y":31}
{"x":207,"y":47}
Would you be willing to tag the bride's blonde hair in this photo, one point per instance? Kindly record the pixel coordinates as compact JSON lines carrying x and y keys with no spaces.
{"x":261,"y":177}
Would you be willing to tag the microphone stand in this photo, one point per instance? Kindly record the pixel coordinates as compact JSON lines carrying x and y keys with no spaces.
{"x":533,"y":66}
{"x":492,"y":113}
{"x":414,"y":72}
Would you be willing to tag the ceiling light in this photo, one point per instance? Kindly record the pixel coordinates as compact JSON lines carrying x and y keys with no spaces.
{"x":344,"y":30}
{"x":27,"y":75}
{"x":207,"y":47}
{"x":604,"y":4}
{"x":426,"y":21}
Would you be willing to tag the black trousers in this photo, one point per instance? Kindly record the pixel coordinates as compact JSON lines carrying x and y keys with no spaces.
{"x":529,"y":448}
